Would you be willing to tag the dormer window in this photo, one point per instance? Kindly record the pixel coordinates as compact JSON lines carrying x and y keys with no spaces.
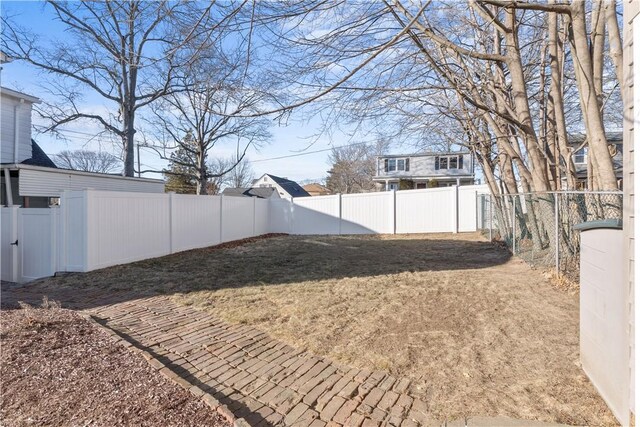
{"x":449,"y":162}
{"x":393,"y":165}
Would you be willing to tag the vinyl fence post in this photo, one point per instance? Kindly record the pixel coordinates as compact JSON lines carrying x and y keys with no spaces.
{"x":513,"y":225}
{"x":292,"y":215}
{"x":490,"y":218}
{"x":557,"y":229}
{"x":220,"y":222}
{"x":456,"y":207}
{"x":339,"y":213}
{"x":254,"y":215}
{"x":171,"y":222}
{"x":394,"y":212}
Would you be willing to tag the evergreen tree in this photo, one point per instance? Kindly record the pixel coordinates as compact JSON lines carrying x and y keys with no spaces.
{"x":180,"y":177}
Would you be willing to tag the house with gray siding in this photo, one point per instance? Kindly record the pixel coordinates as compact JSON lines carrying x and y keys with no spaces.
{"x":414,"y":171}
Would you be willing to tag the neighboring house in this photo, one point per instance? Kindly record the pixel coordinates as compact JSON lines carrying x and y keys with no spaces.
{"x":581,"y":153}
{"x":400,"y":172}
{"x":315,"y":189}
{"x":261,"y":193}
{"x":285,"y":187}
{"x":29,"y":177}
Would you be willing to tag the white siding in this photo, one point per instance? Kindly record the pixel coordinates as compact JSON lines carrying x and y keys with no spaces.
{"x":7,"y":129}
{"x":631,"y":91}
{"x":52,"y":182}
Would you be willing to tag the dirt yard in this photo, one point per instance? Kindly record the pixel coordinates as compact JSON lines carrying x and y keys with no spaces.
{"x":481,"y":332}
{"x":57,"y":369}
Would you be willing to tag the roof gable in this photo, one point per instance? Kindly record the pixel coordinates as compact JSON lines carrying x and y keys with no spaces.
{"x":39,"y":157}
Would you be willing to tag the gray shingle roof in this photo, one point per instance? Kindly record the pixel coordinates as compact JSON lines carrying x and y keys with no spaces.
{"x":39,"y":157}
{"x":261,"y":193}
{"x":291,"y":187}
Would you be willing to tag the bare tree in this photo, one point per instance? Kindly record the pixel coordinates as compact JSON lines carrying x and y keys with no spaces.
{"x":210,"y":110}
{"x":229,"y":172}
{"x":353,"y":167}
{"x":241,"y":175}
{"x":128,"y":53}
{"x":88,"y":161}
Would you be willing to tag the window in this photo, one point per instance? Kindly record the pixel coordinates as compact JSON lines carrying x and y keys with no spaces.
{"x":580,"y":156}
{"x":443,"y":162}
{"x":453,"y":162}
{"x":449,"y":162}
{"x":393,"y":165}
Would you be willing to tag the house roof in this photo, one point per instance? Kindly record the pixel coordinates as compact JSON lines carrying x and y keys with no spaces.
{"x":19,"y":95}
{"x":39,"y":157}
{"x":315,"y":187}
{"x":424,"y":154}
{"x":578,"y":138}
{"x":293,"y":188}
{"x":260,"y":192}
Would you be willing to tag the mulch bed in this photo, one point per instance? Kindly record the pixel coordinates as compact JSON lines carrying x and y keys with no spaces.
{"x":59,"y":369}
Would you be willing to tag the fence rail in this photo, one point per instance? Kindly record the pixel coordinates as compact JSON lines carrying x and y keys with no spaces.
{"x":539,"y":227}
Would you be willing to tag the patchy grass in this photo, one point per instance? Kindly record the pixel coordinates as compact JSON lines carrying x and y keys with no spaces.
{"x":480,"y":332}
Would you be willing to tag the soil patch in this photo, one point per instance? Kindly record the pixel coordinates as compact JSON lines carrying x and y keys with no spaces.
{"x":58,"y":369}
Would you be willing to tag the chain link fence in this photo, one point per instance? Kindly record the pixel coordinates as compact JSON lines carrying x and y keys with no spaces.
{"x":538,"y":227}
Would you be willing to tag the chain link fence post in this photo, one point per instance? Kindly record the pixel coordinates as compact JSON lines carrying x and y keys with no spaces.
{"x":490,"y":218}
{"x":556,"y":215}
{"x":513,"y":224}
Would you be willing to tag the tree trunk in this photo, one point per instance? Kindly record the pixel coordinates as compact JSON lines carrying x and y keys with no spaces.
{"x":615,"y":40}
{"x":128,"y":142}
{"x":201,"y":184}
{"x":598,"y":149}
{"x":521,"y":103}
{"x":556,"y":99}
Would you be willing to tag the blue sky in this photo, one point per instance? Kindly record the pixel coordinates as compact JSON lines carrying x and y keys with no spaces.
{"x":294,"y":138}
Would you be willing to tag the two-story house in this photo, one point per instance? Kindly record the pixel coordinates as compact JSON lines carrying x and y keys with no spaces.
{"x":402,"y":172}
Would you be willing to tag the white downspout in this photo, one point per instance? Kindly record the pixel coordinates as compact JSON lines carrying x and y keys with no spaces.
{"x":7,"y":183}
{"x":16,"y":131}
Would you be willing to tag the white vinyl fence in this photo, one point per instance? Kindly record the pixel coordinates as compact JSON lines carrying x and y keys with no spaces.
{"x":434,"y":210}
{"x":95,"y":229}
